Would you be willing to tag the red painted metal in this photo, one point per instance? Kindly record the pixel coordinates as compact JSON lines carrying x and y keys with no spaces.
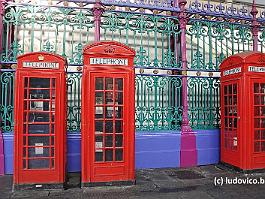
{"x":108,"y":113}
{"x":243,"y":110}
{"x":40,"y":119}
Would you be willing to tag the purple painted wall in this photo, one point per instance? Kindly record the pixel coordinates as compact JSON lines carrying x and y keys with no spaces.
{"x":208,"y":146}
{"x":157,"y":149}
{"x":152,"y":149}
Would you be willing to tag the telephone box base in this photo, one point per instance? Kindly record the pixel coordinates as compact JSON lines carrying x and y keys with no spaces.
{"x":113,"y":183}
{"x":21,"y":187}
{"x":226,"y":166}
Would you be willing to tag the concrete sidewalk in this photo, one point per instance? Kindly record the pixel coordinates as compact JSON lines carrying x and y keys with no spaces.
{"x":193,"y":183}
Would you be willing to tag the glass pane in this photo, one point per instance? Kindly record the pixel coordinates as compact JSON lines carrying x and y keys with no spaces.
{"x":119,"y":155}
{"x":99,"y":83}
{"x":256,"y":88}
{"x":39,"y":151}
{"x":99,"y":98}
{"x":257,"y":123}
{"x":109,"y":141}
{"x":52,"y":163}
{"x":257,"y":135}
{"x":262,"y":123}
{"x":24,"y":164}
{"x":256,"y":99}
{"x":25,"y":82}
{"x":256,"y":146}
{"x":262,"y":88}
{"x":109,"y":97}
{"x":119,"y":84}
{"x":234,"y":89}
{"x":39,"y":128}
{"x":119,"y":98}
{"x":39,"y":117}
{"x":109,"y":155}
{"x":39,"y":82}
{"x":99,"y":112}
{"x":52,"y":139}
{"x":38,"y":140}
{"x":118,"y":112}
{"x":225,"y":88}
{"x":118,"y":141}
{"x":257,"y":111}
{"x":109,"y":127}
{"x":118,"y":126}
{"x":39,"y":94}
{"x":235,"y":123}
{"x":230,"y":89}
{"x":98,"y":156}
{"x":263,"y":146}
{"x":226,"y":100}
{"x":98,"y":126}
{"x":262,"y":132}
{"x":98,"y":142}
{"x":109,"y":84}
{"x":38,"y":163}
{"x":109,"y":112}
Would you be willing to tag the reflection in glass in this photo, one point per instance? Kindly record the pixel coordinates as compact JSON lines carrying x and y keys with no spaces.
{"x":109,"y":84}
{"x":118,"y":112}
{"x":99,"y":83}
{"x":38,"y":140}
{"x":99,"y":98}
{"x":118,"y":140}
{"x":109,"y":112}
{"x":109,"y":97}
{"x":119,"y":84}
{"x":38,"y":151}
{"x":119,"y":98}
{"x":99,"y":112}
{"x":39,"y":128}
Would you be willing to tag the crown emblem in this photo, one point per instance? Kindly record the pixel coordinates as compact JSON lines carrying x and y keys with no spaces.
{"x":41,"y":58}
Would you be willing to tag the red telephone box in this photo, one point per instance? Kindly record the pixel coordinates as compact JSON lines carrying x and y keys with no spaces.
{"x":108,"y":114}
{"x":40,"y":121}
{"x":243,"y":110}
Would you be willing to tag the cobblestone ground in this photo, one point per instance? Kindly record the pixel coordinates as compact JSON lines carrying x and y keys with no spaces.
{"x":197,"y":182}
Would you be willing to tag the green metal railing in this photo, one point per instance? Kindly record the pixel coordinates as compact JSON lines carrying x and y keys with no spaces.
{"x":158,"y":102}
{"x":153,"y":37}
{"x":63,"y":31}
{"x":209,"y":43}
{"x":204,"y":102}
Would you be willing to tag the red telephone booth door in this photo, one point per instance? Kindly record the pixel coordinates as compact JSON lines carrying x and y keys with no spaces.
{"x":40,"y":107}
{"x":230,"y":138}
{"x":110,"y":117}
{"x":258,"y":122}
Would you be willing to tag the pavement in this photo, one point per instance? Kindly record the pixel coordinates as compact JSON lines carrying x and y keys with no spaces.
{"x":211,"y":181}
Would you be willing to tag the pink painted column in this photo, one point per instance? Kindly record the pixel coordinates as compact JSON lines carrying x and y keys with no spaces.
{"x":2,"y":159}
{"x":188,"y":149}
{"x":255,"y":26}
{"x":97,"y":11}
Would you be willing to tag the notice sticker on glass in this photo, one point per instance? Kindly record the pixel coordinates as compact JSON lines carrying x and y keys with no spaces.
{"x":39,"y":148}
